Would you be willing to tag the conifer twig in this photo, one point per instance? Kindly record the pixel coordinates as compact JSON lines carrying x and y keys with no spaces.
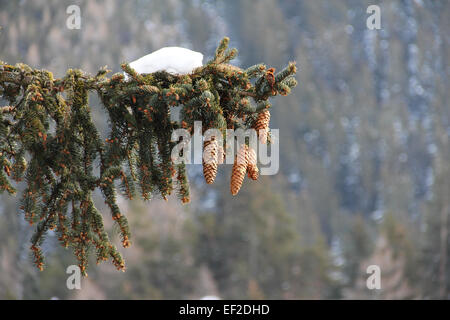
{"x":60,"y":167}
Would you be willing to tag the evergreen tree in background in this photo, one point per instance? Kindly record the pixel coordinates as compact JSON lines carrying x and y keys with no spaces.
{"x":394,"y":254}
{"x":436,"y":239}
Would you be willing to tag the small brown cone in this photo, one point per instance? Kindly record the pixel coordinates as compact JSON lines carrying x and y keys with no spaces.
{"x":261,"y":125}
{"x":239,"y":169}
{"x":185,"y":200}
{"x":252,"y":168}
{"x":210,"y":160}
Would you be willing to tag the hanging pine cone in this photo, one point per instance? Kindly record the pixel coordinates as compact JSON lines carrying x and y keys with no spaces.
{"x":261,"y":125}
{"x":252,"y":168}
{"x":239,"y":169}
{"x":210,"y":160}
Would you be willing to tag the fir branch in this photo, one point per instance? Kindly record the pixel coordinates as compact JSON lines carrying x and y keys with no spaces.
{"x":60,"y":176}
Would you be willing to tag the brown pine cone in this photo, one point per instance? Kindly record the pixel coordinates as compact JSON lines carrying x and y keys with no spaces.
{"x":270,"y":77}
{"x":210,"y":160}
{"x":239,"y":169}
{"x":261,"y":125}
{"x":252,"y":168}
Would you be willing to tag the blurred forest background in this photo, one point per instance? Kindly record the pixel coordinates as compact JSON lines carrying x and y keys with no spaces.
{"x":364,"y":144}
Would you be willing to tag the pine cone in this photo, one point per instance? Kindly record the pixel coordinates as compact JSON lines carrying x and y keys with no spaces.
{"x":270,"y":77}
{"x":252,"y":168}
{"x":239,"y":169}
{"x":261,"y":125}
{"x":210,"y":160}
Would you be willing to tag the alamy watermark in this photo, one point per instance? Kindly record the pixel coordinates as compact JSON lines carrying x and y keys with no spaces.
{"x":190,"y":149}
{"x":374,"y":20}
{"x":74,"y":280}
{"x":73,"y":21}
{"x":374,"y":280}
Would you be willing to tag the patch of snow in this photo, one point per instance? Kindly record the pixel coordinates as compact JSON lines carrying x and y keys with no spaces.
{"x":174,"y":60}
{"x":210,"y":298}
